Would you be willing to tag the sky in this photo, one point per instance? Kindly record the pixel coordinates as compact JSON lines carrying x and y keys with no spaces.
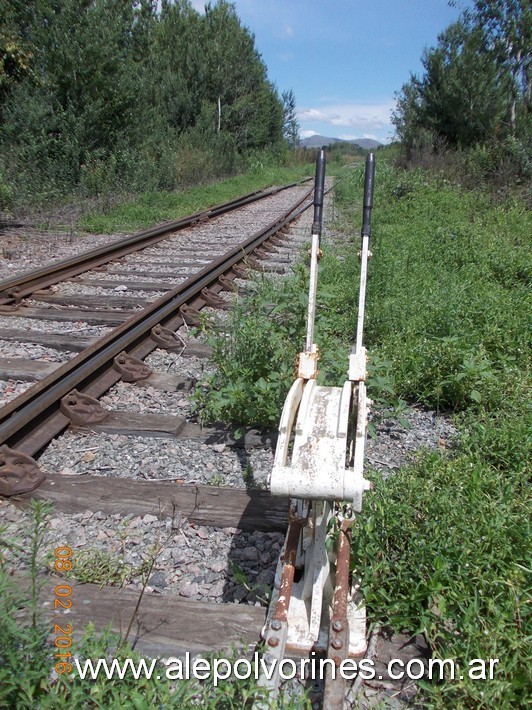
{"x":343,"y":59}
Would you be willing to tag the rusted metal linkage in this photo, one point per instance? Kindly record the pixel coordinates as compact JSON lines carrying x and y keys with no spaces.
{"x":32,"y":420}
{"x":338,"y":651}
{"x":275,"y":632}
{"x":21,"y":286}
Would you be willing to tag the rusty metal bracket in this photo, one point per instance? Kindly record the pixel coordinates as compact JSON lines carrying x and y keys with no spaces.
{"x":16,"y":294}
{"x":253,"y":263}
{"x":214,"y":300}
{"x":268,"y":247}
{"x":166,"y":338}
{"x":276,"y":241}
{"x":228,"y":284}
{"x":131,"y":368}
{"x":338,"y":649}
{"x":240,"y":271}
{"x":19,"y":473}
{"x":261,"y":254}
{"x":275,"y":631}
{"x":82,"y":409}
{"x":190,"y":316}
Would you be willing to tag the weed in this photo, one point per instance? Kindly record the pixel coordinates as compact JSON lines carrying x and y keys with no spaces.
{"x":151,"y":208}
{"x":247,"y":474}
{"x":261,"y":592}
{"x":217,"y":479}
{"x":96,"y":566}
{"x":254,"y":356}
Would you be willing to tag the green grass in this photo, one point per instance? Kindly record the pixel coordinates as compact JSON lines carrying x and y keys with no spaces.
{"x":442,"y":546}
{"x":149,"y":209}
{"x":255,"y":355}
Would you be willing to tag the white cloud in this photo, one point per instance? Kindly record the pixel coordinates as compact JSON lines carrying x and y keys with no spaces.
{"x":307,"y":134}
{"x":286,"y":32}
{"x":312,"y":114}
{"x":365,"y":118}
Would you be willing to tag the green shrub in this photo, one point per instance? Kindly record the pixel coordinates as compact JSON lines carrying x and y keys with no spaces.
{"x":442,"y":549}
{"x":6,"y":192}
{"x":255,"y":355}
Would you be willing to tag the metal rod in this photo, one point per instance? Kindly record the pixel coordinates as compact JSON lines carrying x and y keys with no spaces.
{"x":366,"y":233}
{"x":319,"y":183}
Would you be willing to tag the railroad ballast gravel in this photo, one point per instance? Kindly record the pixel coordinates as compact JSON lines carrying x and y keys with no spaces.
{"x":191,"y":561}
{"x":147,"y":458}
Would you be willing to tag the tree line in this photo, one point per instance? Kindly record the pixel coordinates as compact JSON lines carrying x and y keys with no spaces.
{"x":138,"y":93}
{"x":475,"y":91}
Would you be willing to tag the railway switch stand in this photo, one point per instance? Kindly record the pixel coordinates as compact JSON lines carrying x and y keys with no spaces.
{"x":318,"y":464}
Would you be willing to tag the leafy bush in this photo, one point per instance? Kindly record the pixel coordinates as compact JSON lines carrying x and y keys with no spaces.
{"x":442,"y":550}
{"x":6,"y":192}
{"x":255,"y":355}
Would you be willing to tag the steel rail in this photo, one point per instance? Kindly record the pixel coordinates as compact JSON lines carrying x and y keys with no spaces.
{"x":32,"y":420}
{"x":15,"y":288}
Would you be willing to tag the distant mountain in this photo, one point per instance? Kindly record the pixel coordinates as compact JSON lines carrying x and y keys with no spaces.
{"x":317,"y":141}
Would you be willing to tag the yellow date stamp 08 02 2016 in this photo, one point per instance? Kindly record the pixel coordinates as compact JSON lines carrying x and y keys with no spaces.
{"x":63,"y":600}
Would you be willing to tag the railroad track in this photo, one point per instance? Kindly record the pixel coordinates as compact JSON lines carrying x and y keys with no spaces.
{"x":65,"y":398}
{"x":133,"y":312}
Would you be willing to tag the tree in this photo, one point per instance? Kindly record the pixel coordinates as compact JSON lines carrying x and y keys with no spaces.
{"x":508,"y":28}
{"x":462,"y":93}
{"x":408,"y":115}
{"x":290,"y":122}
{"x":236,"y":81}
{"x":112,"y":87}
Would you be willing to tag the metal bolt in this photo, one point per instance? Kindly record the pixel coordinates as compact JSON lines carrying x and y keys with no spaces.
{"x":276,"y":625}
{"x":273,"y":641}
{"x":338,"y":626}
{"x":337,"y":644}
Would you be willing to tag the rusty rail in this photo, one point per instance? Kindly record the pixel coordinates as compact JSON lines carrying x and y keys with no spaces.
{"x":15,"y":288}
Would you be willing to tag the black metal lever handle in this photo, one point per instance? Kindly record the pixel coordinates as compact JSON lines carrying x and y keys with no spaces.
{"x":368,"y":195}
{"x":319,"y":185}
